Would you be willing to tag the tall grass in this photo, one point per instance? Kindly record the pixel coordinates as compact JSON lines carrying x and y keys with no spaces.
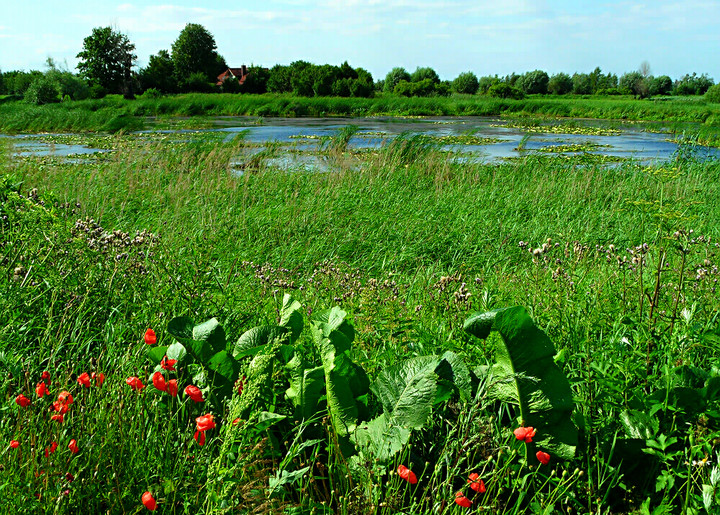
{"x":409,"y":242}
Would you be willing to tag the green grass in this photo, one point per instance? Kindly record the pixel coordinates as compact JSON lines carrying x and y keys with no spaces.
{"x":398,"y":238}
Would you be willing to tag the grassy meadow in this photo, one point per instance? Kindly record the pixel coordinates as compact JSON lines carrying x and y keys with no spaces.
{"x":321,"y":317}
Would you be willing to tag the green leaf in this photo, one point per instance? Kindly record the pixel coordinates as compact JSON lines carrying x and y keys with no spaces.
{"x":291,"y":317}
{"x":252,"y":341}
{"x":212,"y":333}
{"x":176,"y":351}
{"x":453,"y":369}
{"x":306,"y":387}
{"x":156,"y":354}
{"x":181,"y":328}
{"x":525,"y":374}
{"x":480,"y":324}
{"x":407,"y":391}
{"x":224,"y":366}
{"x":283,"y":477}
{"x":380,"y":438}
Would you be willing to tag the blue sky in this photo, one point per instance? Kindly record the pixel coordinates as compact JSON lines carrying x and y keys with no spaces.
{"x":482,"y":36}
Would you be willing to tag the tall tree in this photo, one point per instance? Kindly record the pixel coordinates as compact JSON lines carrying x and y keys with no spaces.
{"x":106,"y":60}
{"x":159,"y":73}
{"x":194,"y":51}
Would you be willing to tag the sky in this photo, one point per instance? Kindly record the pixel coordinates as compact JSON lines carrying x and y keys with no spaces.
{"x":486,"y":37}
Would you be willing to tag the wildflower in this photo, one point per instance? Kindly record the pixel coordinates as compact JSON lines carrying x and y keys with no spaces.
{"x":45,"y":376}
{"x":135,"y":383}
{"x":478,"y":486}
{"x":58,"y":417}
{"x":236,"y":421}
{"x":150,"y":337}
{"x":168,"y":364}
{"x":69,"y":477}
{"x":99,"y":378}
{"x":407,"y":474}
{"x":194,"y":393}
{"x":73,"y":446}
{"x":461,"y":500}
{"x":14,"y":444}
{"x":159,"y":381}
{"x":172,"y":387}
{"x":65,"y":397}
{"x":524,"y":434}
{"x":84,"y":379}
{"x":543,"y":457}
{"x":41,"y":389}
{"x":204,"y":423}
{"x":49,"y":450}
{"x":149,"y":501}
{"x":241,"y":385}
{"x":60,"y":407}
{"x":22,"y":401}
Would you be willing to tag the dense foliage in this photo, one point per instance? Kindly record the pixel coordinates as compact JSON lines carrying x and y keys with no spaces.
{"x":106,"y":59}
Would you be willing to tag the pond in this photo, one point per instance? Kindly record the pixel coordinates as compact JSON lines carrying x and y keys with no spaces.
{"x":485,"y":139}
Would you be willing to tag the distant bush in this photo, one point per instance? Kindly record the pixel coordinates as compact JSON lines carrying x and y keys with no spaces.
{"x":713,"y":94}
{"x":560,"y":84}
{"x":42,"y":91}
{"x":505,"y":90}
{"x":97,"y":91}
{"x":608,"y":91}
{"x":152,"y":93}
{"x":466,"y":83}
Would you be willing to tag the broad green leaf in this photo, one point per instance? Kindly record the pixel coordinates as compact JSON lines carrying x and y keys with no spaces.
{"x":176,"y":351}
{"x":156,"y":354}
{"x":380,"y":438}
{"x":212,"y":333}
{"x":267,"y":419}
{"x":639,"y":425}
{"x":526,"y":374}
{"x":453,"y":368}
{"x":252,"y":341}
{"x":283,"y":477}
{"x":291,"y":316}
{"x":407,"y":391}
{"x":181,"y":328}
{"x":480,"y":324}
{"x":306,"y":387}
{"x":224,"y":366}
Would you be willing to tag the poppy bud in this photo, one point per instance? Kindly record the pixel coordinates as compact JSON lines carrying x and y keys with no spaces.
{"x":14,"y":444}
{"x":73,"y":446}
{"x":172,"y":387}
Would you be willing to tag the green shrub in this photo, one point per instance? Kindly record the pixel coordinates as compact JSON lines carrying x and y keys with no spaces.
{"x":505,"y":90}
{"x":713,"y":94}
{"x":42,"y":91}
{"x":97,"y":91}
{"x":152,"y":93}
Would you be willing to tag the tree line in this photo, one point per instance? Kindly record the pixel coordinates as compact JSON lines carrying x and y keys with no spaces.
{"x":107,"y":64}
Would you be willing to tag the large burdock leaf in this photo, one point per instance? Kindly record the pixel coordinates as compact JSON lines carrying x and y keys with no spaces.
{"x":201,"y":341}
{"x":306,"y":387}
{"x":252,"y":341}
{"x":526,"y":374}
{"x":291,"y":317}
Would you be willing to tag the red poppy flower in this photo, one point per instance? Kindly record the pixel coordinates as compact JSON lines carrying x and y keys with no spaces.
{"x":99,"y":378}
{"x":525,"y":434}
{"x":407,"y":474}
{"x":172,"y":387}
{"x":135,"y":383}
{"x":168,"y":364}
{"x":205,"y":422}
{"x":51,"y":449}
{"x":65,"y":397}
{"x":150,"y":337}
{"x":14,"y":444}
{"x":60,"y":407}
{"x":73,"y":446}
{"x":57,"y":417}
{"x":41,"y":389}
{"x":236,"y":421}
{"x":543,"y":457}
{"x":84,"y":379}
{"x":476,"y":485}
{"x":199,"y":437}
{"x":149,"y":501}
{"x":461,"y":500}
{"x":22,"y":401}
{"x":194,"y":393}
{"x":45,"y":376}
{"x":69,"y":477}
{"x":159,"y":381}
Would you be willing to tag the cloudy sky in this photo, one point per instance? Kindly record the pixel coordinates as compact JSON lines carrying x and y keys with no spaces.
{"x":483,"y":36}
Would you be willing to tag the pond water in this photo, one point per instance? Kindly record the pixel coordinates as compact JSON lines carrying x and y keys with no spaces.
{"x":473,"y":138}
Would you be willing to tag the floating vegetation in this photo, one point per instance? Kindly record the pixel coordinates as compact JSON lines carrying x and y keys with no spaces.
{"x":583,"y":158}
{"x":573,"y":148}
{"x":465,"y":139}
{"x":560,"y":129}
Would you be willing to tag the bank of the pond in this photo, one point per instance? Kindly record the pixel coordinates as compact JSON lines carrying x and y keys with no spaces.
{"x":113,"y":113}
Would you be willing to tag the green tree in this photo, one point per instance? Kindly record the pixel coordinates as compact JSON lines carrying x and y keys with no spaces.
{"x":661,"y":85}
{"x":535,"y":82}
{"x":66,"y":83}
{"x":421,"y":74}
{"x":159,"y":73}
{"x":582,"y":84}
{"x":560,"y":84}
{"x":394,"y":76}
{"x":194,"y":51}
{"x":42,"y":91}
{"x":633,"y":83}
{"x":713,"y":94}
{"x":279,"y":79}
{"x":486,"y":82}
{"x":302,"y":78}
{"x":256,"y":80}
{"x":106,"y":60}
{"x":466,"y":82}
{"x":505,"y":90}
